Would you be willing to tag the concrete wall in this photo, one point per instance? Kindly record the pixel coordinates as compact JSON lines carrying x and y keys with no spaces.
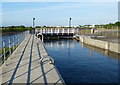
{"x":101,"y":44}
{"x":107,"y":32}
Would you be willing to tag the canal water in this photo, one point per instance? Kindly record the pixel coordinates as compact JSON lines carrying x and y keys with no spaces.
{"x":17,"y":38}
{"x":79,"y":63}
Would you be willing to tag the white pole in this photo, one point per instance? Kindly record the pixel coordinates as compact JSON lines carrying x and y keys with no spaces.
{"x":42,"y":38}
{"x":51,"y":31}
{"x":18,"y":39}
{"x":13,"y":43}
{"x":9,"y":46}
{"x":68,"y":31}
{"x":58,"y":31}
{"x":62,"y":31}
{"x":4,"y":49}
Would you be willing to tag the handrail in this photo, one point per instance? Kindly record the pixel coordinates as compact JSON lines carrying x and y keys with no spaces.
{"x":43,"y":57}
{"x":41,"y":35}
{"x":50,"y":58}
{"x":11,"y":46}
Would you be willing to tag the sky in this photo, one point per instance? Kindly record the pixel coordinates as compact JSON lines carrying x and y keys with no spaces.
{"x":58,"y":13}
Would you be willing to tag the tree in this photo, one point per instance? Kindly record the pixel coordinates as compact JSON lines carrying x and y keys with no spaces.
{"x":117,"y":24}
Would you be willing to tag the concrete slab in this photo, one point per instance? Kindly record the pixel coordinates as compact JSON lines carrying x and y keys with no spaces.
{"x":24,"y":65}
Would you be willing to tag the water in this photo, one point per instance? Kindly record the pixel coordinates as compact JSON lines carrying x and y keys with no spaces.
{"x":13,"y":37}
{"x":78,"y":63}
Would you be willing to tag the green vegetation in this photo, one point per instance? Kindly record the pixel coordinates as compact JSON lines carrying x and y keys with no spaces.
{"x":109,"y":26}
{"x":50,"y":27}
{"x":7,"y":52}
{"x":15,"y":28}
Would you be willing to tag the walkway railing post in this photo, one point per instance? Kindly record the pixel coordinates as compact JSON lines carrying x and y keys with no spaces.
{"x":9,"y":46}
{"x":4,"y":50}
{"x":42,"y":38}
{"x":18,"y":40}
{"x":13,"y":43}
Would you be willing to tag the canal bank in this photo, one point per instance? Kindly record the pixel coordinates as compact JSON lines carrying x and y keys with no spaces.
{"x":101,"y":43}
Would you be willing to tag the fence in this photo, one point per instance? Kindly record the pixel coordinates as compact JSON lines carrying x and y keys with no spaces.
{"x":8,"y":46}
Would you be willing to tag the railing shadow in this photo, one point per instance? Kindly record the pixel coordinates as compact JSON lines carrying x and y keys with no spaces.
{"x":19,"y":66}
{"x":25,"y":72}
{"x":29,"y":67}
{"x":13,"y":75}
{"x":42,"y":68}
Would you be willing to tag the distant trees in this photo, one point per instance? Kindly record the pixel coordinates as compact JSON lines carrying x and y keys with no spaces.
{"x":117,"y":24}
{"x":109,"y":26}
{"x":15,"y":28}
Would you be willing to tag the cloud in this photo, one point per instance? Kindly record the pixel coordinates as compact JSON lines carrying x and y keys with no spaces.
{"x":60,"y":0}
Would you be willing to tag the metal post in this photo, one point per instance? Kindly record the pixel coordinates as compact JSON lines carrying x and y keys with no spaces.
{"x":9,"y":46}
{"x":68,"y":31}
{"x":13,"y":43}
{"x":18,"y":39}
{"x":4,"y":49}
{"x":33,"y":23}
{"x":42,"y":38}
{"x":70,"y":22}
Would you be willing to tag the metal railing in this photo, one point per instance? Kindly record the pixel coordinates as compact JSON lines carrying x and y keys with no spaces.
{"x":8,"y":47}
{"x":47,"y":56}
{"x":50,"y":58}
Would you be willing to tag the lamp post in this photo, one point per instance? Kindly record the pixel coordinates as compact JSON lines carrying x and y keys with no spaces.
{"x":70,"y":22}
{"x":33,"y":31}
{"x":33,"y":22}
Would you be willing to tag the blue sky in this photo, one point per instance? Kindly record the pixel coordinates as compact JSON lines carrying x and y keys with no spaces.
{"x":58,"y":13}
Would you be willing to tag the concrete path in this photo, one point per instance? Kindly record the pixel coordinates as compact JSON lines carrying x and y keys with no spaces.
{"x":24,"y":65}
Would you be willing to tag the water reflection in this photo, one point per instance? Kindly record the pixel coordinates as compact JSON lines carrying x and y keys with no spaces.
{"x":60,"y":44}
{"x":102,"y":51}
{"x":81,"y":63}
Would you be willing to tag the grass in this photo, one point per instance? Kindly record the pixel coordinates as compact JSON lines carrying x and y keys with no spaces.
{"x":85,"y":32}
{"x":7,"y":52}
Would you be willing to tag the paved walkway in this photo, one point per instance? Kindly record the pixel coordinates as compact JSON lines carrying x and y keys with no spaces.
{"x":24,"y":65}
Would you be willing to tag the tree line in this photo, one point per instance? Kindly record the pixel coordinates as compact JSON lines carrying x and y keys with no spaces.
{"x":109,"y":26}
{"x":23,"y":28}
{"x":15,"y":28}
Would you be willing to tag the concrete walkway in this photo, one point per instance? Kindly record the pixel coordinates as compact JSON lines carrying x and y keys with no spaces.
{"x":24,"y":65}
